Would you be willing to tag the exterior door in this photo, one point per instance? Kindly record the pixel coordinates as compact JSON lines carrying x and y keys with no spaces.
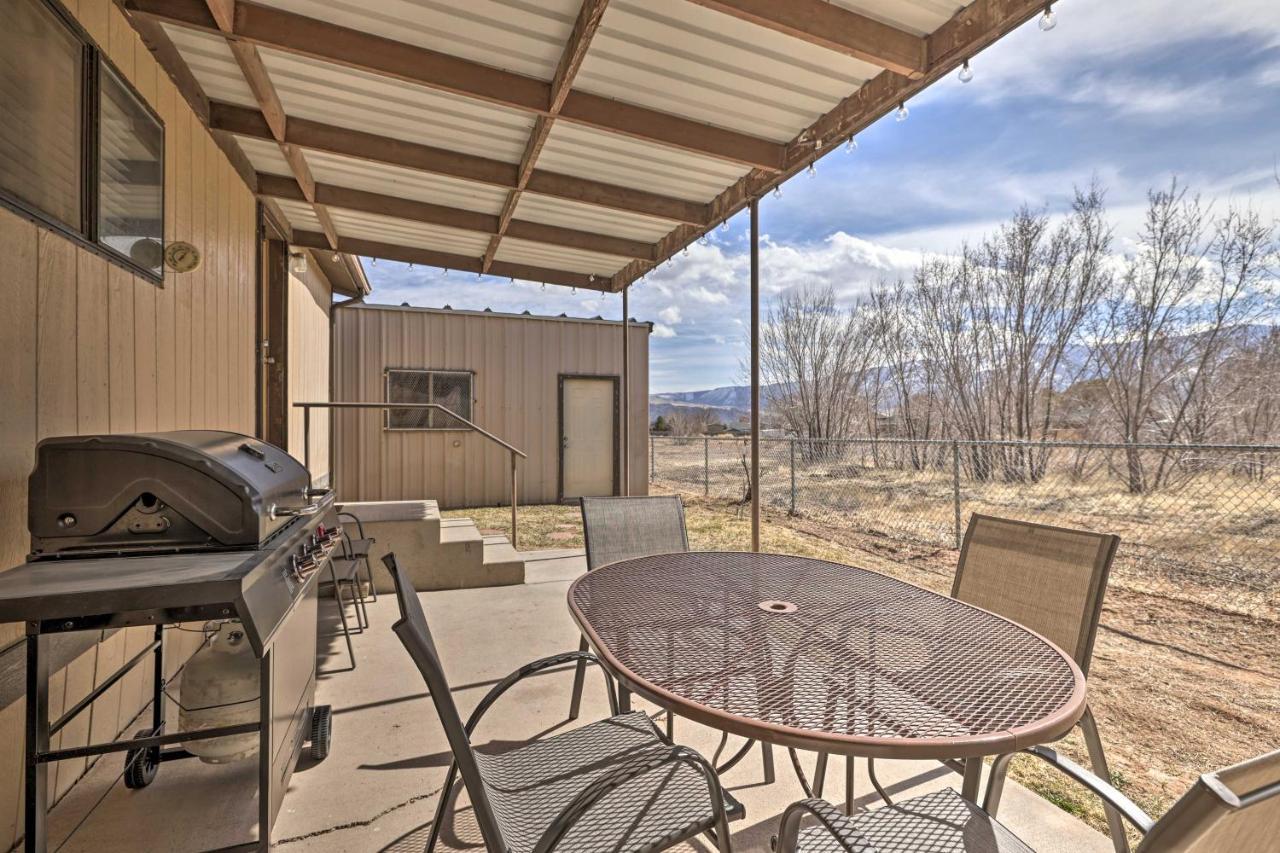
{"x":588,"y":436}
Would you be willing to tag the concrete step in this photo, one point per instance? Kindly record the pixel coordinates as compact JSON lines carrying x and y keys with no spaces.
{"x":503,"y":565}
{"x":460,"y":531}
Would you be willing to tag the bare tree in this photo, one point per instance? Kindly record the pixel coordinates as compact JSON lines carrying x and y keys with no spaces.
{"x":814,"y":361}
{"x":1165,"y":327}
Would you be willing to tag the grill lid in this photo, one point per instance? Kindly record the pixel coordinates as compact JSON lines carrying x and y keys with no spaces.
{"x":151,"y":492}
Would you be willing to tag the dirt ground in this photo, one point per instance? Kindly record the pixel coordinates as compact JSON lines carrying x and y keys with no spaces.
{"x":1182,"y":680}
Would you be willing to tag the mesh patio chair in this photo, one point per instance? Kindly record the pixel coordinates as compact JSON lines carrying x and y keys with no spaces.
{"x":624,"y":528}
{"x":1052,"y":580}
{"x":610,"y":786}
{"x":1236,"y":809}
{"x":1049,"y":579}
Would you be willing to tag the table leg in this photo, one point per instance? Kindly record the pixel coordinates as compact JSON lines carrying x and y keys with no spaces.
{"x":972,"y":779}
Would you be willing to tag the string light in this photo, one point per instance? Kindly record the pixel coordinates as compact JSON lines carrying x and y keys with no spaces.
{"x":704,"y":239}
{"x":592,"y":278}
{"x":1048,"y":20}
{"x":966,"y":73}
{"x":336,"y":257}
{"x":812,"y":171}
{"x":685,"y":252}
{"x":724,"y":226}
{"x":777,"y":191}
{"x":373,"y":262}
{"x":851,"y":145}
{"x":903,"y":112}
{"x":444,"y":273}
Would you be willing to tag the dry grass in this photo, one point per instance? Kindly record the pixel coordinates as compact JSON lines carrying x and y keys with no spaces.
{"x":1184,"y":679}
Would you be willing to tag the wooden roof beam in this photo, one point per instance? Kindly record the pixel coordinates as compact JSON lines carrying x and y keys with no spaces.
{"x":244,"y":121}
{"x":590,"y":13}
{"x":316,"y":39}
{"x":449,"y":260}
{"x":264,"y":92}
{"x":277,"y":186}
{"x":833,"y":27}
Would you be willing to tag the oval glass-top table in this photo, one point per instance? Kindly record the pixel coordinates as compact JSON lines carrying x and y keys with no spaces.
{"x":820,"y":656}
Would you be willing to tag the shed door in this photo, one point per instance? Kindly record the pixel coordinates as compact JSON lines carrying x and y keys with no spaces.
{"x":588,"y":436}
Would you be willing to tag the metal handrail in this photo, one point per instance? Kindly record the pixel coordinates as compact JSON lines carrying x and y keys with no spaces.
{"x":510,"y":448}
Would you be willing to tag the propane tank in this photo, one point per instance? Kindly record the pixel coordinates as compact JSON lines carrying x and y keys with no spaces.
{"x":220,"y":688}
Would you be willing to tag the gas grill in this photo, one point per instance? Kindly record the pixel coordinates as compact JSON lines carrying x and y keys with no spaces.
{"x":157,"y":529}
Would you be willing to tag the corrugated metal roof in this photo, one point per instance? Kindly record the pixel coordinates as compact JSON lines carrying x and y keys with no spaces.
{"x":301,"y":216}
{"x":356,"y":174}
{"x":384,"y":229}
{"x":345,"y":97}
{"x":520,"y":36}
{"x":214,"y":66}
{"x":681,"y":58}
{"x":615,"y":159}
{"x":558,"y":257}
{"x":671,"y":56}
{"x":587,"y":217}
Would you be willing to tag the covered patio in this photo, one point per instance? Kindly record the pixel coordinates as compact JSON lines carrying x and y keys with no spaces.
{"x":379,"y":788}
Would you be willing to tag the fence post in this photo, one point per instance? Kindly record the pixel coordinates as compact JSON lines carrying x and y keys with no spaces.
{"x":653,"y":457}
{"x":706,"y":465}
{"x":792,"y":443}
{"x":955,"y":485}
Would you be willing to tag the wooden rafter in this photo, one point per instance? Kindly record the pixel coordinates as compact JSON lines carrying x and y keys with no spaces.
{"x":969,"y":31}
{"x":451,"y":261}
{"x":575,"y":51}
{"x":835,"y":28}
{"x":308,"y":134}
{"x":316,"y":39}
{"x":278,"y":187}
{"x":264,"y":92}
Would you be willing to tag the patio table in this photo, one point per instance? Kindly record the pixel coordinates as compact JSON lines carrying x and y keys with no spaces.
{"x":815,"y":655}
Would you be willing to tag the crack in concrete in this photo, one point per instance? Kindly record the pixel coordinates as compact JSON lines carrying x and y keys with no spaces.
{"x":353,"y":824}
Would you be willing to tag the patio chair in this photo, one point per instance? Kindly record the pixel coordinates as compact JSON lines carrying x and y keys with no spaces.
{"x":1052,"y":580}
{"x":624,"y":528}
{"x":1236,"y":809}
{"x":610,"y":786}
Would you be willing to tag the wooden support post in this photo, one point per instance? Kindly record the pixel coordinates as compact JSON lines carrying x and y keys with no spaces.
{"x":755,"y":374}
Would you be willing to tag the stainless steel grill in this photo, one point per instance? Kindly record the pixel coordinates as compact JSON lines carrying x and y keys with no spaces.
{"x":156,"y":529}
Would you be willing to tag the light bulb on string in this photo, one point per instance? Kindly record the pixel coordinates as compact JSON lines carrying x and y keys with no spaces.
{"x":1048,"y":20}
{"x":685,"y":251}
{"x":724,"y":226}
{"x":966,"y":73}
{"x":903,"y":112}
{"x":777,"y":191}
{"x":851,"y":145}
{"x":444,"y":273}
{"x":812,"y":171}
{"x":336,"y":257}
{"x":704,"y":239}
{"x":373,"y":262}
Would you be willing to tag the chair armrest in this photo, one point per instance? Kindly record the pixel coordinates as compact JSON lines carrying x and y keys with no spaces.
{"x":1127,"y":807}
{"x":624,"y":773}
{"x":529,"y":669}
{"x":830,"y":818}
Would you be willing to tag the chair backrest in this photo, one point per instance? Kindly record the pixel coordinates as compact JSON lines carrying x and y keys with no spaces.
{"x":414,"y":633}
{"x":1236,"y":809}
{"x":626,"y":528}
{"x":1050,"y":579}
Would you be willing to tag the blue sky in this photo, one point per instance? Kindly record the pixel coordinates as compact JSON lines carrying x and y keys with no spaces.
{"x":1133,"y":92}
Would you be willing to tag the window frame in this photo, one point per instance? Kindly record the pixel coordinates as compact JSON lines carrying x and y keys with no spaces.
{"x":92,"y":60}
{"x":430,"y":373}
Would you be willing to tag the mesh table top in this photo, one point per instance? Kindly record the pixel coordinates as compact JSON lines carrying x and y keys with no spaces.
{"x":817,"y":655}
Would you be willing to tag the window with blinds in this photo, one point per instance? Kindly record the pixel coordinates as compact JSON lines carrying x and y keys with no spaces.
{"x":451,"y":389}
{"x":130,"y":176}
{"x":42,"y":101}
{"x":79,"y":149}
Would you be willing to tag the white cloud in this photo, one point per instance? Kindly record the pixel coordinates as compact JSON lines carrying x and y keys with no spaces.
{"x":661,"y":331}
{"x":670,"y":314}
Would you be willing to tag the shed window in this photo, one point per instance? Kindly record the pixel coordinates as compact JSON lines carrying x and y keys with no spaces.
{"x":451,"y":389}
{"x":79,"y":150}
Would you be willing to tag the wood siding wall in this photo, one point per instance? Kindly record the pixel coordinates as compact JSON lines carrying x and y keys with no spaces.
{"x":90,"y":348}
{"x":310,"y":298}
{"x":517,"y":363}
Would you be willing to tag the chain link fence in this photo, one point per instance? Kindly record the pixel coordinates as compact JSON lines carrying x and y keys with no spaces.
{"x":1209,"y":514}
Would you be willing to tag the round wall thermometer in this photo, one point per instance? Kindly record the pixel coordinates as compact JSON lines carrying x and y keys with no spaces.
{"x":181,"y":257}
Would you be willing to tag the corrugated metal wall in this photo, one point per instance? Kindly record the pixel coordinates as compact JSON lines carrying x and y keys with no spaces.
{"x":517,"y":363}
{"x":90,"y":348}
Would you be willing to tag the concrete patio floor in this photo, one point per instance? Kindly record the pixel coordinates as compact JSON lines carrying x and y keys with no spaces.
{"x":378,"y":789}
